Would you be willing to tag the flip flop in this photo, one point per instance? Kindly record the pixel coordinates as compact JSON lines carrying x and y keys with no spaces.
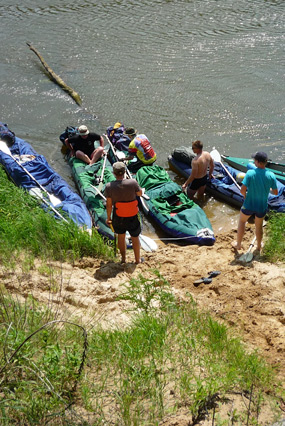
{"x":202,"y":280}
{"x":213,"y":274}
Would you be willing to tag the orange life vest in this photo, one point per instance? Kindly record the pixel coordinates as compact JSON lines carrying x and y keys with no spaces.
{"x":127,"y":209}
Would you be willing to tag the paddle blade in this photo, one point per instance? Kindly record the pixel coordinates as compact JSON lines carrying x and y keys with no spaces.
{"x":216,"y":156}
{"x":121,"y":155}
{"x":54,"y":200}
{"x":4,"y":148}
{"x":36,"y":192}
{"x":246,"y":257}
{"x":147,"y":243}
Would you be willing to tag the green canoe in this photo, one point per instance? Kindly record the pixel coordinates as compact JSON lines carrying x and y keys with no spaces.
{"x":242,"y":164}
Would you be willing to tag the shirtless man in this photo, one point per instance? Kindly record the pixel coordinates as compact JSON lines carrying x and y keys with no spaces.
{"x":198,"y":177}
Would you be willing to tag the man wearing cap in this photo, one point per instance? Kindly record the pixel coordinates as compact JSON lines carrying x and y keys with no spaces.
{"x":255,"y":188}
{"x":82,"y":145}
{"x":122,"y":209}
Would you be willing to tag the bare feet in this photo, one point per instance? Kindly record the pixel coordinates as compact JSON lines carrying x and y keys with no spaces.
{"x":140,"y":261}
{"x":235,"y":246}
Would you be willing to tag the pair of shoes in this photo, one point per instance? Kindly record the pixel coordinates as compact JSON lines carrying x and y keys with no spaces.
{"x":202,"y":280}
{"x":213,"y":274}
{"x":208,"y":279}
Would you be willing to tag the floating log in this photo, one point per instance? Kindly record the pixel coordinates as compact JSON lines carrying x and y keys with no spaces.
{"x":54,"y":77}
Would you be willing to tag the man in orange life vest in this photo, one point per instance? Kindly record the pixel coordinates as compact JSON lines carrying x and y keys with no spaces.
{"x":121,"y":196}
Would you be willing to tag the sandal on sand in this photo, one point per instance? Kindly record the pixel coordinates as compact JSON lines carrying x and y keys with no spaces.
{"x":213,"y":274}
{"x":202,"y":280}
{"x":142,"y":261}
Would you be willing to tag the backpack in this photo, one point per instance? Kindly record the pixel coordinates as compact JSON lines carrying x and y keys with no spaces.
{"x":183,"y":154}
{"x":117,"y":137}
{"x":68,"y":133}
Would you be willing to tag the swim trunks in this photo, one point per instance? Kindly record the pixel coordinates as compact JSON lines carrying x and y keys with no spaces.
{"x":251,"y":212}
{"x":197,"y":183}
{"x":123,"y":224}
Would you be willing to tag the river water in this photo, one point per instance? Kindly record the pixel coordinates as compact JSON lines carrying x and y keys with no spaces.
{"x":176,"y":70}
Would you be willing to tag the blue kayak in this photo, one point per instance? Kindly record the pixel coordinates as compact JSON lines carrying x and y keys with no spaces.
{"x":31,"y":171}
{"x":222,"y":186}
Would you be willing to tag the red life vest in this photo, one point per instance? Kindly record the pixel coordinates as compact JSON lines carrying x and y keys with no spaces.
{"x":127,"y":208}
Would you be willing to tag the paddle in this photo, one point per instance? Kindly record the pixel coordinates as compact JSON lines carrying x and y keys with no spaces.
{"x":101,"y":184}
{"x":39,"y":195}
{"x":217,"y":158}
{"x":53,"y":199}
{"x":147,"y":243}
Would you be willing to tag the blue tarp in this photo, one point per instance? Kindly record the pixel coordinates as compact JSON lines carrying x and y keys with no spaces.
{"x":38,"y":167}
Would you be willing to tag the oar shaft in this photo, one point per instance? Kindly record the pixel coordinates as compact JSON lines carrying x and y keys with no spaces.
{"x":30,"y":175}
{"x":54,"y":210}
{"x":99,"y":192}
{"x":229,"y":174}
{"x":103,"y":168}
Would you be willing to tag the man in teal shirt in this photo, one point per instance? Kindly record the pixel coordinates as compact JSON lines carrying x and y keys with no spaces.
{"x":255,"y":188}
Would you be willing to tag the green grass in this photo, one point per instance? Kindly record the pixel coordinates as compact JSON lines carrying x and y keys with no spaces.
{"x":26,"y":228}
{"x":169,"y":356}
{"x":274,"y":248}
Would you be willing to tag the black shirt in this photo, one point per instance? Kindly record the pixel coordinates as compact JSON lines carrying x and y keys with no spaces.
{"x":85,"y":145}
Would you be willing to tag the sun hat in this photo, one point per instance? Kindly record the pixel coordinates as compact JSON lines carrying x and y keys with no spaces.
{"x":119,"y":168}
{"x":83,"y":130}
{"x":130,"y":131}
{"x":260,"y":156}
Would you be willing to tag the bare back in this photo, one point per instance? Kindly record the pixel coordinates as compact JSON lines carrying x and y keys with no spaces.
{"x":201,"y":163}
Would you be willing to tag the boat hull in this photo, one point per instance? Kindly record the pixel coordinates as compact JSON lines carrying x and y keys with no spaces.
{"x":243,"y":164}
{"x":222,"y":187}
{"x":43,"y":175}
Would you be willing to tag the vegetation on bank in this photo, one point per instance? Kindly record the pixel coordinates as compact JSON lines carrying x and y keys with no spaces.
{"x":170,"y":357}
{"x":26,"y":229}
{"x":274,"y":248}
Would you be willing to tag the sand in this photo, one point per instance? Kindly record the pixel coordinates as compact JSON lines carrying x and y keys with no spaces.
{"x":249,"y":297}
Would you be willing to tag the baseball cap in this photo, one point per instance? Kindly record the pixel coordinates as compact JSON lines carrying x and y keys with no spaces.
{"x":119,"y":168}
{"x":260,"y":156}
{"x":83,"y":130}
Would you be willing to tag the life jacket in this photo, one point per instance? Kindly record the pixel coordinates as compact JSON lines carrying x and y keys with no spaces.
{"x":127,"y":208}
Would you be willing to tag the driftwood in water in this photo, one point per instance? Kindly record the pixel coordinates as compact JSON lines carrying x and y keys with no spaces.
{"x":54,"y":77}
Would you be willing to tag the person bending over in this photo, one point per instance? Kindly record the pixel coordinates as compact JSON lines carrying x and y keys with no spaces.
{"x":197,"y":180}
{"x":122,"y":209}
{"x":141,"y":148}
{"x":255,"y":188}
{"x":82,"y":145}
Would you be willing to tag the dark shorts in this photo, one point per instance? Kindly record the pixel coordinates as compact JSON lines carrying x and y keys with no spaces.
{"x":123,"y":224}
{"x":251,"y":212}
{"x":197,"y":183}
